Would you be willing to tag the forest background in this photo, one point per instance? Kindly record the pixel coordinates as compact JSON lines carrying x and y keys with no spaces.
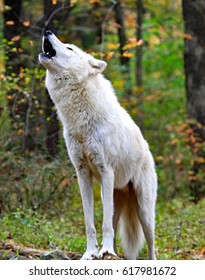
{"x":153,"y":50}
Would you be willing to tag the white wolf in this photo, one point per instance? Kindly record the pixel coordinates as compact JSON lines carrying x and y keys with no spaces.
{"x":104,"y":143}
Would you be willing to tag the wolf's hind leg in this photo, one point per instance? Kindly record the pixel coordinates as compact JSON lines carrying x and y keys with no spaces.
{"x":146,"y":191}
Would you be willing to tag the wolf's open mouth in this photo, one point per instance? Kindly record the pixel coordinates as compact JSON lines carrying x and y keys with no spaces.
{"x":48,"y":48}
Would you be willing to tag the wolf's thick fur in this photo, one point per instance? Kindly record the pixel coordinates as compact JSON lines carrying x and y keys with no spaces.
{"x":104,"y":143}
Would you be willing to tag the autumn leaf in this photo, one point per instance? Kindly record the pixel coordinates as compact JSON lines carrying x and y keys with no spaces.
{"x":37,"y":128}
{"x":9,"y":97}
{"x":26,"y":23}
{"x":127,"y":54}
{"x":72,"y":3}
{"x":94,"y":1}
{"x":189,"y":131}
{"x":187,"y":36}
{"x":54,"y":2}
{"x":200,"y":160}
{"x":112,"y":46}
{"x":159,"y":158}
{"x":64,"y":183}
{"x":10,"y":22}
{"x":20,"y":131}
{"x":16,"y":38}
{"x":140,"y":42}
{"x":110,"y":55}
{"x":133,"y":43}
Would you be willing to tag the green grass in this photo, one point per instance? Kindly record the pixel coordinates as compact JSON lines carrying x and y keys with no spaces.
{"x":57,"y":219}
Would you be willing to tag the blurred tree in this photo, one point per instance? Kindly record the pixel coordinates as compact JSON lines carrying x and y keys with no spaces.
{"x":123,"y":40}
{"x":121,"y":33}
{"x":12,"y":27}
{"x":13,"y":63}
{"x":139,"y":6}
{"x":194,"y":58}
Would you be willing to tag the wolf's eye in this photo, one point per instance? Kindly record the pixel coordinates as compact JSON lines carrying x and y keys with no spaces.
{"x":69,"y":49}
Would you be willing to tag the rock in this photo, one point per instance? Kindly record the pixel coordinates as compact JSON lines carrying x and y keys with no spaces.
{"x":54,"y":255}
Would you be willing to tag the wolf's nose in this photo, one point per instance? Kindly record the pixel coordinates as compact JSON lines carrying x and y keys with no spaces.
{"x":48,"y":32}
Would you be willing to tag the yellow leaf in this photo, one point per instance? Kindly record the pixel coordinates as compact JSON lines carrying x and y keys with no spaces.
{"x":110,"y":55}
{"x":133,"y":43}
{"x":20,"y":131}
{"x":200,"y":160}
{"x":72,"y":3}
{"x":112,"y":46}
{"x":159,"y":158}
{"x":9,"y":97}
{"x":127,"y":54}
{"x":54,"y":2}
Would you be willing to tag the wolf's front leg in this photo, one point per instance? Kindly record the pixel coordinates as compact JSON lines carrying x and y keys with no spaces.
{"x":85,"y":183}
{"x":107,"y":227}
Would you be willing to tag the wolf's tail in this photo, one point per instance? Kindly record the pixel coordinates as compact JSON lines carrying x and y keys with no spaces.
{"x":131,"y":233}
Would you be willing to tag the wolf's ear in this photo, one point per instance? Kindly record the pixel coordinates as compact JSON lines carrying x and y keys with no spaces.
{"x":97,"y":66}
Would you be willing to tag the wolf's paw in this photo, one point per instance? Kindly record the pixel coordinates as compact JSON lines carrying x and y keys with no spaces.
{"x":90,"y":255}
{"x":105,"y":251}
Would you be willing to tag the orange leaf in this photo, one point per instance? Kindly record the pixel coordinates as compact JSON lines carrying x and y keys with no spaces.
{"x":37,"y":128}
{"x":94,"y":1}
{"x":110,"y":55}
{"x":187,"y":36}
{"x":10,"y":22}
{"x":133,"y":43}
{"x":16,"y":38}
{"x":54,"y":2}
{"x":200,"y":160}
{"x":127,"y":54}
{"x":26,"y":23}
{"x":140,"y":42}
{"x":64,"y":183}
{"x":9,"y":97}
{"x":159,"y":158}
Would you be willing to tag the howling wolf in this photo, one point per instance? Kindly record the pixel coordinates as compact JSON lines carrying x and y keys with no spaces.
{"x":105,"y":144}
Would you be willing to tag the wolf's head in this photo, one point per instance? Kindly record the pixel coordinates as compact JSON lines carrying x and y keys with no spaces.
{"x":67,"y":59}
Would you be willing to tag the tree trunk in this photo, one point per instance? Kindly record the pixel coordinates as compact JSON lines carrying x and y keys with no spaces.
{"x":194,"y":58}
{"x":140,"y":93}
{"x":194,"y":63}
{"x":139,"y":48}
{"x":121,"y":32}
{"x":122,"y":40}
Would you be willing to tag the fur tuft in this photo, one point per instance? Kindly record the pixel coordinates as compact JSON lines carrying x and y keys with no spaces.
{"x":131,"y":233}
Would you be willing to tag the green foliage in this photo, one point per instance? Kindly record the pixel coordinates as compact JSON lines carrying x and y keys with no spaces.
{"x":180,"y":230}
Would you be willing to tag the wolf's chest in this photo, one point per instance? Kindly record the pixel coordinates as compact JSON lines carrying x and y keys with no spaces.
{"x":85,"y":153}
